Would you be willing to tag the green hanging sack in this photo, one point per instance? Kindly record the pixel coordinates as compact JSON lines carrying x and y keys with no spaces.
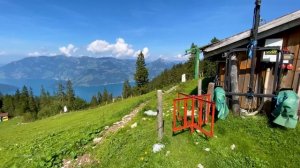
{"x":220,"y":100}
{"x":286,"y":109}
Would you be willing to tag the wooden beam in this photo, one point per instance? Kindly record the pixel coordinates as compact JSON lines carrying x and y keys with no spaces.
{"x":160,"y":124}
{"x":234,"y":84}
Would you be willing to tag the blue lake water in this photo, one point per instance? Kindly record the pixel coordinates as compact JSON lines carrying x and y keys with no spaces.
{"x":85,"y":92}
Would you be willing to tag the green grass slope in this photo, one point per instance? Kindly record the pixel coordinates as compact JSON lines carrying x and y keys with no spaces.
{"x":257,"y":144}
{"x":46,"y":142}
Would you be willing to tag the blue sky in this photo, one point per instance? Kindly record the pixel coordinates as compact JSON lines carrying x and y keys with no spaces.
{"x":121,"y":28}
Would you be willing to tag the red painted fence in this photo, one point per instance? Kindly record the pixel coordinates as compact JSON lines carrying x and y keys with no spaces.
{"x":194,"y":112}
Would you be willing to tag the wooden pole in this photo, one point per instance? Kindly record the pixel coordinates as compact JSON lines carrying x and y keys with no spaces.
{"x":234,"y":85}
{"x":160,"y":124}
{"x":210,"y":90}
{"x":199,"y":87}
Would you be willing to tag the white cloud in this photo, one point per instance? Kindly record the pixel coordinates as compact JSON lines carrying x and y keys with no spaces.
{"x":34,"y":54}
{"x":99,"y":46}
{"x":182,"y":57}
{"x":145,"y":51}
{"x":119,"y":48}
{"x":37,"y":53}
{"x":68,"y":50}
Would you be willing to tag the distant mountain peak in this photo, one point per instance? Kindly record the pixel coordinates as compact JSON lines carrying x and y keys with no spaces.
{"x":83,"y":71}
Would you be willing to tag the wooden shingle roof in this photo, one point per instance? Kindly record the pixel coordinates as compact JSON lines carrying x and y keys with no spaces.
{"x":275,"y":26}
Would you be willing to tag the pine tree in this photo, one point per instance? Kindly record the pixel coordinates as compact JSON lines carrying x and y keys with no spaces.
{"x":17,"y":95}
{"x":105,"y":98}
{"x":141,"y":74}
{"x":214,"y":40}
{"x":110,"y":97}
{"x":43,"y":97}
{"x":126,"y":89}
{"x":8,"y":105}
{"x":70,"y":95}
{"x":94,"y":102}
{"x":32,"y":104}
{"x":99,"y":98}
{"x":61,"y":94}
{"x":24,"y":100}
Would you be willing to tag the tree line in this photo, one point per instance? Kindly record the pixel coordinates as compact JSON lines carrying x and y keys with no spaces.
{"x":24,"y":103}
{"x":101,"y":98}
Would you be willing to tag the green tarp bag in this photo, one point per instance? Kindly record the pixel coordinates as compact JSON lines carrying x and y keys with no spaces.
{"x":220,"y":100}
{"x":286,"y":109}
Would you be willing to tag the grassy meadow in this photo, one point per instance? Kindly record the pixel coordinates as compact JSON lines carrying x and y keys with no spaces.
{"x":46,"y":142}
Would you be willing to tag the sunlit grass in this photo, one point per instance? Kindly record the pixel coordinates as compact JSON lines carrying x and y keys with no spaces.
{"x":46,"y":142}
{"x":256,"y":143}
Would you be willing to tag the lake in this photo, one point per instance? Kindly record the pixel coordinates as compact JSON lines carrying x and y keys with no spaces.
{"x":85,"y":92}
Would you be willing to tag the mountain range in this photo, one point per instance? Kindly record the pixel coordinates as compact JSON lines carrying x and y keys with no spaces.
{"x":82,"y":71}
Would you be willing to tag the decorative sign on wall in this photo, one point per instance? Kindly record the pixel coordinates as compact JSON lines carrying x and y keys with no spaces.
{"x":270,"y":56}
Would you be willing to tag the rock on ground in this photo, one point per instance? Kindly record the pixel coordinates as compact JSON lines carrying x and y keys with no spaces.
{"x":200,"y":165}
{"x":97,"y":140}
{"x":232,"y":147}
{"x":157,"y":147}
{"x":150,"y":113}
{"x":134,"y":125}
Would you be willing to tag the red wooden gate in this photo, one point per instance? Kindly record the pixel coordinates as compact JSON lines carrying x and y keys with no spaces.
{"x":194,"y":112}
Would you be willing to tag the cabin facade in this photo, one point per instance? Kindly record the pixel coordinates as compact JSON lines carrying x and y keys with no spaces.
{"x":283,"y":32}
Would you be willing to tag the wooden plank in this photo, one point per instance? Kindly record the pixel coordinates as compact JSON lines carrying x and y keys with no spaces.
{"x":242,"y":73}
{"x":293,"y":47}
{"x":210,"y":89}
{"x":295,"y":39}
{"x":246,"y":84}
{"x":297,"y":72}
{"x":222,"y":74}
{"x":271,"y":79}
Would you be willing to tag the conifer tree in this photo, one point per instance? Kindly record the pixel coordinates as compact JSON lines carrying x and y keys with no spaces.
{"x":110,"y":97}
{"x":94,"y":102}
{"x":141,"y":74}
{"x":214,"y":40}
{"x":105,"y":98}
{"x":24,"y":98}
{"x":8,"y":105}
{"x":43,"y":97}
{"x":17,"y":95}
{"x":70,"y":95}
{"x":61,"y":94}
{"x":126,"y":89}
{"x":32,"y":104}
{"x":99,"y":97}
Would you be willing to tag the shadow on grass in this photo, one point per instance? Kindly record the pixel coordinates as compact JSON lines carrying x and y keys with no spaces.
{"x":268,"y":108}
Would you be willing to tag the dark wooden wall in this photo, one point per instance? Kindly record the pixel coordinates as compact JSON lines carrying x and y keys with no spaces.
{"x":290,"y":79}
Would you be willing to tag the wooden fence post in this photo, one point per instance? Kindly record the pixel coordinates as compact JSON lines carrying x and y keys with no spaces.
{"x":210,"y":90}
{"x":160,"y":124}
{"x":199,"y":87}
{"x":234,"y":85}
